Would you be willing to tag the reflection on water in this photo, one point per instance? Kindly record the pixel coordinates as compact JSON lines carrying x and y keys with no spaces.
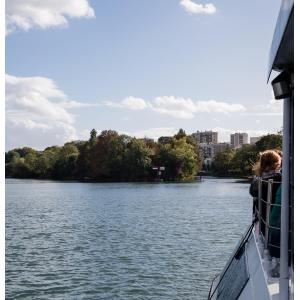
{"x":120,"y":241}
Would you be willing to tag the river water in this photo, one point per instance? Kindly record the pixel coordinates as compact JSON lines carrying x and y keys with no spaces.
{"x":67,"y":240}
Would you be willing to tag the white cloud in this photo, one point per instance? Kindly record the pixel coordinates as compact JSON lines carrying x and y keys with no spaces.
{"x":130,"y":102}
{"x":36,"y":112}
{"x":174,"y":106}
{"x":76,"y":104}
{"x":272,"y":108}
{"x":26,"y":14}
{"x":194,"y":8}
{"x":186,"y":108}
{"x":32,"y":95}
{"x":177,"y":107}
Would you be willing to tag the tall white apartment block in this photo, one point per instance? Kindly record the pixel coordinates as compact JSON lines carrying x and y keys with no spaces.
{"x":238,"y":139}
{"x":206,"y":137}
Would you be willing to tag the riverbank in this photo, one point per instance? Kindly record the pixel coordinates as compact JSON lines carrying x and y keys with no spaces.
{"x":203,"y":178}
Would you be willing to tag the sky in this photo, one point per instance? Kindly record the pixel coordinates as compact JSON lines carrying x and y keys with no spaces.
{"x":144,"y":68}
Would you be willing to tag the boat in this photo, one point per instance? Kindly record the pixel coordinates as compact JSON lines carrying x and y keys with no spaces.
{"x":249,"y":272}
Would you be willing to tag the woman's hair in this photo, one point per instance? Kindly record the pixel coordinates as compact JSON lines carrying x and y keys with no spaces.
{"x":270,"y":160}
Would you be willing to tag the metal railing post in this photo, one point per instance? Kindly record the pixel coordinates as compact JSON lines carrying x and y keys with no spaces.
{"x":285,"y":193}
{"x":259,"y":204}
{"x":268,"y":208}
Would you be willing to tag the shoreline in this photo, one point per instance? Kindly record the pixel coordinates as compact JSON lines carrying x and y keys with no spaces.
{"x":237,"y":180}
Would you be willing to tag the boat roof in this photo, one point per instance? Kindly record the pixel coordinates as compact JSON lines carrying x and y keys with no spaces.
{"x":281,"y":55}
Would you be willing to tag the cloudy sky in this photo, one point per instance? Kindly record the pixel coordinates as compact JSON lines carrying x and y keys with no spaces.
{"x":145,"y":68}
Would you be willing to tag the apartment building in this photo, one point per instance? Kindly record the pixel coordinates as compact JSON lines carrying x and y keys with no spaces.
{"x":206,"y":137}
{"x":238,"y":139}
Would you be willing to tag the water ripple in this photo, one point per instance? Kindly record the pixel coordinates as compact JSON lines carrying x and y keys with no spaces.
{"x":120,"y":241}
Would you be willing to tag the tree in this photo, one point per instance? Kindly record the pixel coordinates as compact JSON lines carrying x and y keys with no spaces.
{"x":137,"y":160}
{"x":24,"y":151}
{"x":83,"y":161}
{"x":180,"y":160}
{"x":107,"y":155}
{"x":243,"y":160}
{"x":11,"y":156}
{"x":17,"y":165}
{"x":222,"y":162}
{"x":93,"y":137}
{"x":18,"y":169}
{"x":180,"y":134}
{"x":65,"y":165}
{"x":270,"y":141}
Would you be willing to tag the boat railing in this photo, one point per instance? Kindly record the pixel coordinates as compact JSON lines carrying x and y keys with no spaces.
{"x":262,"y":209}
{"x":262,"y":212}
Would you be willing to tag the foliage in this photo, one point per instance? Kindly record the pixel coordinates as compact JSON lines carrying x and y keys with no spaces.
{"x":113,"y":157}
{"x":270,"y":141}
{"x":108,"y":157}
{"x":93,"y":137}
{"x":243,"y":160}
{"x":179,"y":159}
{"x":222,"y":162}
{"x":137,"y":160}
{"x":180,"y":134}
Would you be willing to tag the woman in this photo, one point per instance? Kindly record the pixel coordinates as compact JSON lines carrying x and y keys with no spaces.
{"x":268,"y":167}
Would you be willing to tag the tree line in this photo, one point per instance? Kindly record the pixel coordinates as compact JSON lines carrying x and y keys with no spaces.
{"x":110,"y":156}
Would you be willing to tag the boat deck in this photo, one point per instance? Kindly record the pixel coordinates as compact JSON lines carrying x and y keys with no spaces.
{"x":268,"y":265}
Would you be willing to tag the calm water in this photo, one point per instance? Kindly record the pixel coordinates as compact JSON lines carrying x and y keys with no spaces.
{"x":120,"y":241}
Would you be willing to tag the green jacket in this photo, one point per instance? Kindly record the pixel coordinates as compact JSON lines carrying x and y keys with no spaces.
{"x":275,"y":211}
{"x":275,"y":218}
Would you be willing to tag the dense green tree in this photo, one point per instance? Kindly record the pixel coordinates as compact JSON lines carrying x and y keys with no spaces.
{"x":11,"y":156}
{"x":65,"y":165}
{"x":243,"y":160}
{"x":179,"y":159}
{"x":180,"y":134}
{"x":165,"y":140}
{"x":82,"y":170}
{"x":222,"y":162}
{"x":192,"y":141}
{"x":17,"y":165}
{"x":24,"y":151}
{"x":18,"y":169}
{"x":107,"y":156}
{"x":270,"y":141}
{"x":137,"y":160}
{"x":93,"y":137}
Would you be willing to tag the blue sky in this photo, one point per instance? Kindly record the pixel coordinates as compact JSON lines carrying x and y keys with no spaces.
{"x":146,"y":68}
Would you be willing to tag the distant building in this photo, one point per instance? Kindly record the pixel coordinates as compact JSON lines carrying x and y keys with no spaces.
{"x":207,"y":150}
{"x":238,"y":139}
{"x":206,"y":137}
{"x":254,"y":139}
{"x":221,"y":147}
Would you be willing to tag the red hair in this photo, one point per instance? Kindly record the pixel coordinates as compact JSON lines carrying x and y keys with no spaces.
{"x":270,"y":160}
